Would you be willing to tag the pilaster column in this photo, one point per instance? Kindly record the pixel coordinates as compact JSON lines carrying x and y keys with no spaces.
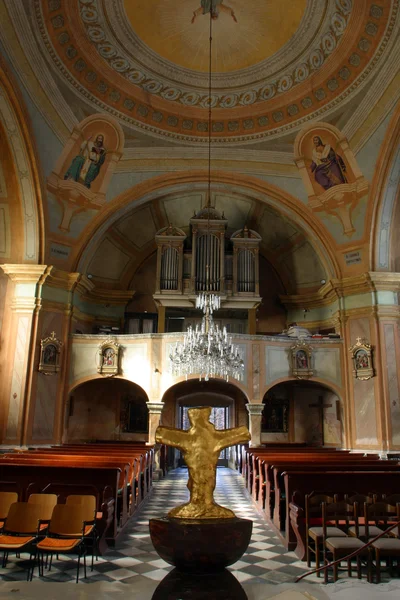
{"x":161,"y":319}
{"x":20,"y":339}
{"x":255,"y":412}
{"x":155,"y":410}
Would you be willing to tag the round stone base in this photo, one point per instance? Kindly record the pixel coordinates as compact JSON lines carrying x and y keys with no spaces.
{"x":200,"y":546}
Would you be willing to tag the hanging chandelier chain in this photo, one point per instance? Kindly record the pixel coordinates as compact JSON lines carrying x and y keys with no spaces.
{"x":207,"y":350}
{"x":209,"y":112}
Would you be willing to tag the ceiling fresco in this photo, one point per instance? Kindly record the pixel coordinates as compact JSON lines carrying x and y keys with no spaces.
{"x":145,"y":61}
{"x":245,"y":32}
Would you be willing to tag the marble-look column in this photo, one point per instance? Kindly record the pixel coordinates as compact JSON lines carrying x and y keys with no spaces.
{"x":255,"y":413}
{"x":155,"y":410}
{"x":19,"y":362}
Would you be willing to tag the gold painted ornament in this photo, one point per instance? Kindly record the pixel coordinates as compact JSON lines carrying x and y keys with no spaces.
{"x":201,"y":446}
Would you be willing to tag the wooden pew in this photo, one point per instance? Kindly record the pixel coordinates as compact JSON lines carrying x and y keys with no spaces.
{"x":280,"y":513}
{"x":101,"y":482}
{"x":121,"y":498}
{"x":300,"y":483}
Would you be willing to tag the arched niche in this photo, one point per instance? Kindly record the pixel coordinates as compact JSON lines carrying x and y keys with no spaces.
{"x":106,"y":409}
{"x":226,"y":399}
{"x":215,"y":392}
{"x":302,"y":412}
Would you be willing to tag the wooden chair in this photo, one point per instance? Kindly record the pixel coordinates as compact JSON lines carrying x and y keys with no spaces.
{"x":66,"y":535}
{"x":314,"y":530}
{"x":88,"y":503}
{"x":388,"y":547}
{"x":6,"y":499}
{"x":339,"y":546}
{"x":373,"y":522}
{"x":21,"y":532}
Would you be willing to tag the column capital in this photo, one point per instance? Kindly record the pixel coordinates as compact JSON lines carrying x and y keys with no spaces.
{"x":25,"y":273}
{"x":155,"y":408}
{"x":255,"y":409}
{"x":63,"y":279}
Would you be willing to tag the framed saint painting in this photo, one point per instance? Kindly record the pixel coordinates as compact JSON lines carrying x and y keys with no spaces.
{"x":301,"y":360}
{"x":361,"y":353}
{"x":108,"y":360}
{"x":50,"y":349}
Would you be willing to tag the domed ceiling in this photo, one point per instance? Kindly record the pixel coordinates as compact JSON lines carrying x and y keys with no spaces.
{"x":275,"y":64}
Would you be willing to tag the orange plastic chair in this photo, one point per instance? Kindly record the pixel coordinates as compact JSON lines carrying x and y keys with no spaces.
{"x":6,"y":499}
{"x":21,"y":532}
{"x":66,"y":534}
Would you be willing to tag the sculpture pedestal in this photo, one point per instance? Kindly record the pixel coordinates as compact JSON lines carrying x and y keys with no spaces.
{"x":200,"y":546}
{"x":192,"y":586}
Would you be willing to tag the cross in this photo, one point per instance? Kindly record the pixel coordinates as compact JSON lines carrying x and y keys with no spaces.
{"x":359,"y":341}
{"x":201,"y":446}
{"x":321,"y":407}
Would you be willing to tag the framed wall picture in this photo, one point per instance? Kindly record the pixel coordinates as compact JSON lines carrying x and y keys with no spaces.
{"x":361,"y":353}
{"x":108,"y":364}
{"x":275,"y":416}
{"x":301,"y":360}
{"x":50,"y":349}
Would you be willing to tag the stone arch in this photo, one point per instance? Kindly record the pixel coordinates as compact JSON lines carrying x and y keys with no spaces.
{"x":209,"y":393}
{"x":15,"y":123}
{"x":284,"y":204}
{"x":385,"y":192}
{"x":106,"y":408}
{"x":292,"y":415}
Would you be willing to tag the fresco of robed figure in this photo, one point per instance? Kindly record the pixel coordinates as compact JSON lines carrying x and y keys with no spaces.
{"x":328,"y":167}
{"x":215,"y":7}
{"x":86,"y":166}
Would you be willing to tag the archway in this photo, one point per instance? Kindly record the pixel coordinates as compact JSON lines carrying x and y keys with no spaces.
{"x":226,"y":399}
{"x":107,"y":409}
{"x":302,"y":412}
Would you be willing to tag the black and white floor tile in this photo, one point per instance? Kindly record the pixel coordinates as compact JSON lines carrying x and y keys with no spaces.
{"x":133,"y":558}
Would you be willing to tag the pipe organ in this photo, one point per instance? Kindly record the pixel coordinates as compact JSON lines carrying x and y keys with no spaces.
{"x":208,"y":260}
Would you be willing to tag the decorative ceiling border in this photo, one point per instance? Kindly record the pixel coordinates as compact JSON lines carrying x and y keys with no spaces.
{"x":143,"y":116}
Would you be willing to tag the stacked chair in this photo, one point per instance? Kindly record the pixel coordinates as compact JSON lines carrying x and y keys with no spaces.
{"x":42,"y":528}
{"x":359,"y":527}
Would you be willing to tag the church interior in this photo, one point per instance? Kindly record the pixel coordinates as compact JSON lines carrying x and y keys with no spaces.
{"x":199,"y":202}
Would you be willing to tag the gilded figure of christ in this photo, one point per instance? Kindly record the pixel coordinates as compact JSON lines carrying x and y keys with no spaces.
{"x":201,"y":446}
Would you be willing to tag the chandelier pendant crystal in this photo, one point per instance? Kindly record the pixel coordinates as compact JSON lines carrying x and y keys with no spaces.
{"x":207,"y":350}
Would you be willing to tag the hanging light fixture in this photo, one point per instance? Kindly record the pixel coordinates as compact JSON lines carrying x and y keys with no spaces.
{"x":207,"y":350}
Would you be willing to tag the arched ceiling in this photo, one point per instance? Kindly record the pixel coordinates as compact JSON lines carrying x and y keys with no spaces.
{"x":276,"y":65}
{"x":114,"y":257}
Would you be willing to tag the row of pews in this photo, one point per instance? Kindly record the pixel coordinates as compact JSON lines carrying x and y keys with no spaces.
{"x":119,"y":475}
{"x":278,"y":478}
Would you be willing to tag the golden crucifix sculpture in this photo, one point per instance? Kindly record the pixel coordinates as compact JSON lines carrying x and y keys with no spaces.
{"x":201,"y":446}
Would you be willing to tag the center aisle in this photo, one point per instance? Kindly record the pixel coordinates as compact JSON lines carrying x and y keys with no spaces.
{"x":266,"y":560}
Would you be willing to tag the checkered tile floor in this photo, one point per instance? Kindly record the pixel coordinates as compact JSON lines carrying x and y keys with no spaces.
{"x":266,"y":560}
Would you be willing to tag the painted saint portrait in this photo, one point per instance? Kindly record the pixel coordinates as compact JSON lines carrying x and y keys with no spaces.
{"x":215,"y":7}
{"x":108,"y":357}
{"x":301,"y":360}
{"x":361,"y":360}
{"x":50,"y":348}
{"x":328,"y":167}
{"x":50,"y":355}
{"x":86,"y":166}
{"x":275,"y":415}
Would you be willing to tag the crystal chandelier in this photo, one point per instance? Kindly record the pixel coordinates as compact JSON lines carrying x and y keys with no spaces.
{"x":207,"y":350}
